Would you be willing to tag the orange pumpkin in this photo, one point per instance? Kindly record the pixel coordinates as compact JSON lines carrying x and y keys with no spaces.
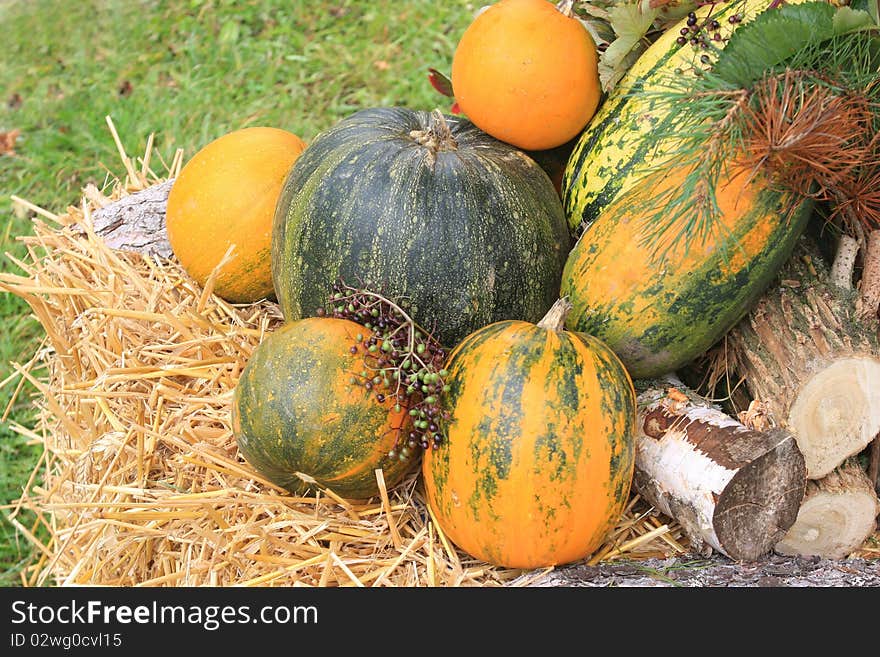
{"x":527,"y":73}
{"x":226,"y":195}
{"x":537,"y":458}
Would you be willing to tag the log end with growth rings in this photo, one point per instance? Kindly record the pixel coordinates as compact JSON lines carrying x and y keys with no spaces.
{"x":837,"y":413}
{"x":760,"y":504}
{"x":836,"y":517}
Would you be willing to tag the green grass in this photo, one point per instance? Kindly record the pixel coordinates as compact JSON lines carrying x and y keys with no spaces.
{"x":195,"y":71}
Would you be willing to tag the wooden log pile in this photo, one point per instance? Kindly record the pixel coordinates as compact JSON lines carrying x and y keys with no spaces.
{"x":805,"y":361}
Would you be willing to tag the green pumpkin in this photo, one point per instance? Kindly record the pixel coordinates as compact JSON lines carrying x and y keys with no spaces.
{"x":302,"y":418}
{"x":426,"y":207}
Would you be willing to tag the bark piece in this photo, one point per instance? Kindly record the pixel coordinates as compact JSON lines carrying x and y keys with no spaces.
{"x":732,"y":489}
{"x":836,"y":517}
{"x":844,"y":262}
{"x":869,"y":287}
{"x":804,"y":352}
{"x":136,"y":222}
{"x":874,"y":464}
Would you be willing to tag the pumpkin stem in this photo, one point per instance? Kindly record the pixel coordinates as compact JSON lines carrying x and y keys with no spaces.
{"x":554,"y":320}
{"x":437,"y":136}
{"x":566,"y":8}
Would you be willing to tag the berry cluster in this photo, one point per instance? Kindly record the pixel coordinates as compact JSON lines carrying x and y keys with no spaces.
{"x":701,"y":33}
{"x":402,"y":362}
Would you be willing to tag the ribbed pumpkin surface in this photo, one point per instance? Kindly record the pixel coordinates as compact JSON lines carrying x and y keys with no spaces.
{"x":467,"y":228}
{"x":538,"y":455}
{"x":297,"y":416}
{"x":656,"y":315}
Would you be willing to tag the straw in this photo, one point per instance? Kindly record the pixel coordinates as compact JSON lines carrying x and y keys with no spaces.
{"x":141,"y":482}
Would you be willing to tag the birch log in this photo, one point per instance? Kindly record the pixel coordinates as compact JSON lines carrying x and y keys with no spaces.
{"x":807,"y":354}
{"x":732,"y":489}
{"x":136,"y":222}
{"x":836,"y":517}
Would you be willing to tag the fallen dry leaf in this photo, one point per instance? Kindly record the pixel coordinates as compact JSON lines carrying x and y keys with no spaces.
{"x":7,"y":142}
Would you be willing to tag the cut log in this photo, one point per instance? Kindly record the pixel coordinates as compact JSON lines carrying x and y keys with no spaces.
{"x":836,"y":517}
{"x":804,"y":352}
{"x":732,"y":489}
{"x":136,"y":222}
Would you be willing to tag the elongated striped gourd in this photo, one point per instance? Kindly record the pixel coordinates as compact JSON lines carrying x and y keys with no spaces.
{"x":614,"y":151}
{"x":538,"y":455}
{"x":659,"y":315}
{"x":660,"y":307}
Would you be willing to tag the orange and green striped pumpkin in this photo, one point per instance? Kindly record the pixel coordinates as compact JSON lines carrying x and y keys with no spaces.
{"x":301,"y":420}
{"x":538,"y":453}
{"x":658,"y":315}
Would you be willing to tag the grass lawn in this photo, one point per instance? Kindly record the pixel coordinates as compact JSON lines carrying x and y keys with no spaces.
{"x":188,"y":71}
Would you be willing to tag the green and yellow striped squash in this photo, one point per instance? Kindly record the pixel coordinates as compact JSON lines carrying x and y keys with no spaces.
{"x":658,"y":317}
{"x":616,"y":151}
{"x":468,"y":229}
{"x":300,"y":421}
{"x":538,"y":454}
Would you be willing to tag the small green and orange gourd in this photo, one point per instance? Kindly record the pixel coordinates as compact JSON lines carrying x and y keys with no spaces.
{"x":304,"y":415}
{"x":538,"y":452}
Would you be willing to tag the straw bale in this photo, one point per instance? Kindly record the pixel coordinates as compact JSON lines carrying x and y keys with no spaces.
{"x":141,"y":483}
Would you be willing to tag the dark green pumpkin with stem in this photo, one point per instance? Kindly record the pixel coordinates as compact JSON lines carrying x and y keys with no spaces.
{"x":465,"y":228}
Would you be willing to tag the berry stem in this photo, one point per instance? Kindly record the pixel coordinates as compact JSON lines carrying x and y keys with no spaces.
{"x":405,"y":368}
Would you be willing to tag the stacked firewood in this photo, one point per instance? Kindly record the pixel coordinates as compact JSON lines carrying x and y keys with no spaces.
{"x":791,"y":463}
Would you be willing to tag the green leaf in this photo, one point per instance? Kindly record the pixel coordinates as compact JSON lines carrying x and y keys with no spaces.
{"x":846,"y":19}
{"x":776,"y":35}
{"x":871,"y":6}
{"x":771,"y":38}
{"x":631,"y":22}
{"x":229,"y":32}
